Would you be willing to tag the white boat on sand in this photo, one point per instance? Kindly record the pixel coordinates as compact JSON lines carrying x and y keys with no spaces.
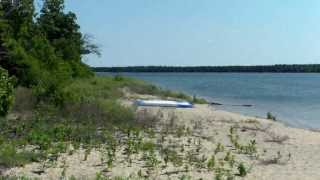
{"x":164,"y":103}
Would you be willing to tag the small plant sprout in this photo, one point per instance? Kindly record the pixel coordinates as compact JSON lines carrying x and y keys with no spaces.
{"x":166,"y":160}
{"x":219,"y":174}
{"x":186,"y":168}
{"x":110,"y":160}
{"x":232,"y":160}
{"x":211,"y":163}
{"x":180,"y":131}
{"x":189,"y":141}
{"x":63,"y":173}
{"x":202,"y":161}
{"x":182,"y":148}
{"x":232,"y":130}
{"x":188,"y":131}
{"x":151,"y":160}
{"x":228,"y":156}
{"x":86,"y":154}
{"x":99,"y":176}
{"x":242,"y":170}
{"x":250,"y":149}
{"x":184,"y":177}
{"x":278,"y":159}
{"x":198,"y":148}
{"x":140,"y":175}
{"x":219,"y":148}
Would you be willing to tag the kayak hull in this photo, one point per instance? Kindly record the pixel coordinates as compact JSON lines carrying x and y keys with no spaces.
{"x":164,"y":103}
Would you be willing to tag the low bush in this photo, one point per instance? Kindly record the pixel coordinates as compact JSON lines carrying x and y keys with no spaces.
{"x":6,"y":92}
{"x":271,"y":116}
{"x":10,"y":156}
{"x":197,"y":100}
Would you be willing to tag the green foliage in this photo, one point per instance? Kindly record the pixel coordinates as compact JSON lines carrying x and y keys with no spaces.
{"x":118,"y":78}
{"x":151,"y":159}
{"x":136,"y":86}
{"x":197,"y":100}
{"x":14,"y":178}
{"x":271,"y":116}
{"x":211,"y":163}
{"x":148,"y":146}
{"x":43,"y":53}
{"x":249,"y":148}
{"x":185,"y":177}
{"x":243,"y":171}
{"x":6,"y":92}
{"x":222,"y":173}
{"x":108,"y":87}
{"x":172,"y":156}
{"x":219,"y":148}
{"x":10,"y":156}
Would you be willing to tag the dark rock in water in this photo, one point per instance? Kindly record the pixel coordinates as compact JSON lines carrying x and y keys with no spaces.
{"x":214,"y":103}
{"x":247,"y":105}
{"x":219,"y":104}
{"x":244,"y":105}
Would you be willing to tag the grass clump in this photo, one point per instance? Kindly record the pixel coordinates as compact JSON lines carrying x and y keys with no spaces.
{"x":11,"y":157}
{"x":219,"y":148}
{"x":197,"y":100}
{"x":211,"y":163}
{"x":272,"y":117}
{"x":243,"y":171}
{"x":250,"y":148}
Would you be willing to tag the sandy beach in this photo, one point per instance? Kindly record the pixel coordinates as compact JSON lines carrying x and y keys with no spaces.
{"x":272,"y":150}
{"x":159,"y":90}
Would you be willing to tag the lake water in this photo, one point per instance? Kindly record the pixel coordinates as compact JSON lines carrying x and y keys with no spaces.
{"x":293,"y":98}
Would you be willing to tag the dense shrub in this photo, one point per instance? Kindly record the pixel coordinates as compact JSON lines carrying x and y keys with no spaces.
{"x":6,"y":92}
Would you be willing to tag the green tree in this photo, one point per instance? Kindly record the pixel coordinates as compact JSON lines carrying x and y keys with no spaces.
{"x":19,"y":28}
{"x":63,"y":32}
{"x":44,"y":53}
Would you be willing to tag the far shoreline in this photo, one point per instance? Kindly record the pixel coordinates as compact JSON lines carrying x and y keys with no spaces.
{"x":277,"y":68}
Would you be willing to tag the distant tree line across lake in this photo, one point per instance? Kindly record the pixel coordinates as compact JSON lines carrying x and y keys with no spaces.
{"x":281,"y":68}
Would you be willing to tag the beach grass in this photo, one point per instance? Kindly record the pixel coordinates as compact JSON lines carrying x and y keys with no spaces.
{"x":90,"y":106}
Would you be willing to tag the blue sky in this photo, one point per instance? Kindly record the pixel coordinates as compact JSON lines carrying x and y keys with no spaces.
{"x":201,"y":32}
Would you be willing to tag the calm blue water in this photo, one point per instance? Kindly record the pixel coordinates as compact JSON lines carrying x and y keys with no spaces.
{"x":293,"y":98}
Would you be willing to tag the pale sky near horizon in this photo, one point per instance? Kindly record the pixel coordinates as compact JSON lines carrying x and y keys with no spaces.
{"x":201,"y":32}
